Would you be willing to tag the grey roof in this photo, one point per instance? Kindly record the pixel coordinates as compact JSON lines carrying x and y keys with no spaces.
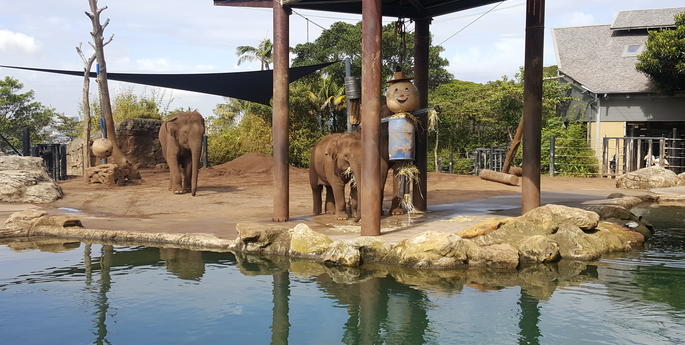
{"x":646,"y":19}
{"x":595,"y":58}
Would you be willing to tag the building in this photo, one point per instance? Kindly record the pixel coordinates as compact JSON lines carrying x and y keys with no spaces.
{"x":611,"y":95}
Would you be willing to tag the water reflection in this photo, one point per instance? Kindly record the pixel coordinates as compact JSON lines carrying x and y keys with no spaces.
{"x":383,"y":304}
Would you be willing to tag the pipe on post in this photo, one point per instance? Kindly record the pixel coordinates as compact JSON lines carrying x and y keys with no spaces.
{"x":532,"y":104}
{"x":421,"y":49}
{"x":280,"y":111}
{"x":371,"y":197}
{"x":26,"y":142}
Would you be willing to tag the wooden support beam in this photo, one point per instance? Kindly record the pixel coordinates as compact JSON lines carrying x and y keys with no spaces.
{"x":371,"y":198}
{"x":532,"y":104}
{"x":513,"y":148}
{"x":281,"y":193}
{"x":421,"y":46}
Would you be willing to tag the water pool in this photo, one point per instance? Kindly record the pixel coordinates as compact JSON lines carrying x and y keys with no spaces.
{"x":76,"y":293}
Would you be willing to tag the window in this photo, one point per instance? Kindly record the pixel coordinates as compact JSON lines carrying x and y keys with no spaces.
{"x":632,"y":50}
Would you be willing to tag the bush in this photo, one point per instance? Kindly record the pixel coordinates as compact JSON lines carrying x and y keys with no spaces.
{"x":252,"y":134}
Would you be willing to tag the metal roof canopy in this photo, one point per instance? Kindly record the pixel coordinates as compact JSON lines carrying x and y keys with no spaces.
{"x":414,"y":9}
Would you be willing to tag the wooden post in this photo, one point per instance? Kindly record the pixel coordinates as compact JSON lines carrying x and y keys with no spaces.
{"x":371,"y":121}
{"x":421,"y":48}
{"x":532,"y":104}
{"x":280,"y":112}
{"x":513,"y":148}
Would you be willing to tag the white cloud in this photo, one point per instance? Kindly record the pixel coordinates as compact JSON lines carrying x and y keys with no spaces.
{"x":484,"y":63}
{"x":577,"y":19}
{"x":10,"y":41}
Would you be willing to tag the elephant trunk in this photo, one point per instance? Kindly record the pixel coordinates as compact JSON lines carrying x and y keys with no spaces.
{"x":354,"y":193}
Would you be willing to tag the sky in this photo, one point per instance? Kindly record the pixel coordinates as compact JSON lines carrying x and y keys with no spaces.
{"x":193,"y":36}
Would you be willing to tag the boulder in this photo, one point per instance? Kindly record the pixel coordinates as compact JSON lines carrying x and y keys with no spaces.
{"x":497,"y":255}
{"x":627,"y":202}
{"x":263,"y":238}
{"x":575,"y":244}
{"x":20,"y":223}
{"x":543,"y":221}
{"x":106,"y":174}
{"x":539,"y":249}
{"x":24,"y":179}
{"x":681,"y":179}
{"x":139,"y":141}
{"x":612,"y":212}
{"x":305,"y":242}
{"x":551,"y":216}
{"x":343,"y":253}
{"x":646,"y":178}
{"x":484,"y":227}
{"x":629,"y":239}
{"x":431,"y":249}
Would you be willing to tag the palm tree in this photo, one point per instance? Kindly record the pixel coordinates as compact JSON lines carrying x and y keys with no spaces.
{"x":262,"y":53}
{"x":329,"y":99}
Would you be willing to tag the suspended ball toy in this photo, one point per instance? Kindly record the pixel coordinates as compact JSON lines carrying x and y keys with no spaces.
{"x":102,"y":148}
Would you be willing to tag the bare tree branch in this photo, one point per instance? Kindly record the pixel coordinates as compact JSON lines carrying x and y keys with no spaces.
{"x":104,"y":25}
{"x":99,"y":10}
{"x":90,"y":15}
{"x":109,"y":40}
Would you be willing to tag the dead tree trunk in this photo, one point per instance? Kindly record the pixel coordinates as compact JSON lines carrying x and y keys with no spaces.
{"x":118,"y":157}
{"x":87,"y":64}
{"x":105,"y":104}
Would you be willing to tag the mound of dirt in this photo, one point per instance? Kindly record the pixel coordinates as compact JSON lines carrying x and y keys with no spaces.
{"x":249,"y":163}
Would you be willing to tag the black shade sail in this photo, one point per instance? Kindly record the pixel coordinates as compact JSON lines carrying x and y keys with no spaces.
{"x":254,"y":86}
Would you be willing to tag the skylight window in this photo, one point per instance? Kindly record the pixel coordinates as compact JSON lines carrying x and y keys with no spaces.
{"x":632,"y":50}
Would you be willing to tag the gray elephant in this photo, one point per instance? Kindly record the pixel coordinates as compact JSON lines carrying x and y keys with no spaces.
{"x":330,"y":159}
{"x":181,"y":139}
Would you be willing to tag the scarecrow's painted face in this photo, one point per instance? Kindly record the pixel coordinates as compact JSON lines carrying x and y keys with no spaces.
{"x":402,"y":96}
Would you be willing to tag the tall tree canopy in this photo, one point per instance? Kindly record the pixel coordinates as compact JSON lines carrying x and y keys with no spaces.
{"x":663,"y":60}
{"x":343,"y":40}
{"x":19,"y":110}
{"x":262,"y":53}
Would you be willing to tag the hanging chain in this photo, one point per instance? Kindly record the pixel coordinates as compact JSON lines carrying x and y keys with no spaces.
{"x":401,"y":30}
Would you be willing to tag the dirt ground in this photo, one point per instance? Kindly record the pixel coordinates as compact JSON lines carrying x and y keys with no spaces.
{"x":241,"y":191}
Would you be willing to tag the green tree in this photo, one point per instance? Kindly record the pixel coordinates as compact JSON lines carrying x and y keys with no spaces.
{"x":19,"y":110}
{"x":66,"y":128}
{"x":262,"y":53}
{"x":343,"y":40}
{"x":152,"y":105}
{"x":663,"y":59}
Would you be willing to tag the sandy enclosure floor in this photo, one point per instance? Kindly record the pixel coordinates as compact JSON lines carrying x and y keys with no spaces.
{"x":241,"y":191}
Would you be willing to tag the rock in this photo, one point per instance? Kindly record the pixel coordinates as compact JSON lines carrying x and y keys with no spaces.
{"x":21,"y":163}
{"x":484,"y":227}
{"x":551,"y":216}
{"x":431,"y":249}
{"x":575,"y":244}
{"x":629,"y":239}
{"x":24,"y":179}
{"x":139,"y":141}
{"x":681,"y":179}
{"x":497,"y":255}
{"x":20,"y":223}
{"x":106,"y":174}
{"x":646,"y":178}
{"x":539,"y":221}
{"x":539,"y":249}
{"x":627,"y":202}
{"x":343,"y":253}
{"x":305,"y":242}
{"x":611,"y":212}
{"x":263,"y":238}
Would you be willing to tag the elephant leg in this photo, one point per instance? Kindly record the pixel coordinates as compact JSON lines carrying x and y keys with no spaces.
{"x":316,"y":191}
{"x":396,"y":204}
{"x":339,"y":195}
{"x":354,"y":203}
{"x":194,"y":161}
{"x":174,"y":168}
{"x":187,"y":172}
{"x":330,"y":201}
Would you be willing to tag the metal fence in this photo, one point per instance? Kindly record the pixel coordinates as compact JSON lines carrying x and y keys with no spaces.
{"x":488,"y":158}
{"x":569,"y":156}
{"x":625,"y":154}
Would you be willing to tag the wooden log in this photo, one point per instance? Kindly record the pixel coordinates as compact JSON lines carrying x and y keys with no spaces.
{"x":513,"y":148}
{"x":496,"y":176}
{"x":518,"y":171}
